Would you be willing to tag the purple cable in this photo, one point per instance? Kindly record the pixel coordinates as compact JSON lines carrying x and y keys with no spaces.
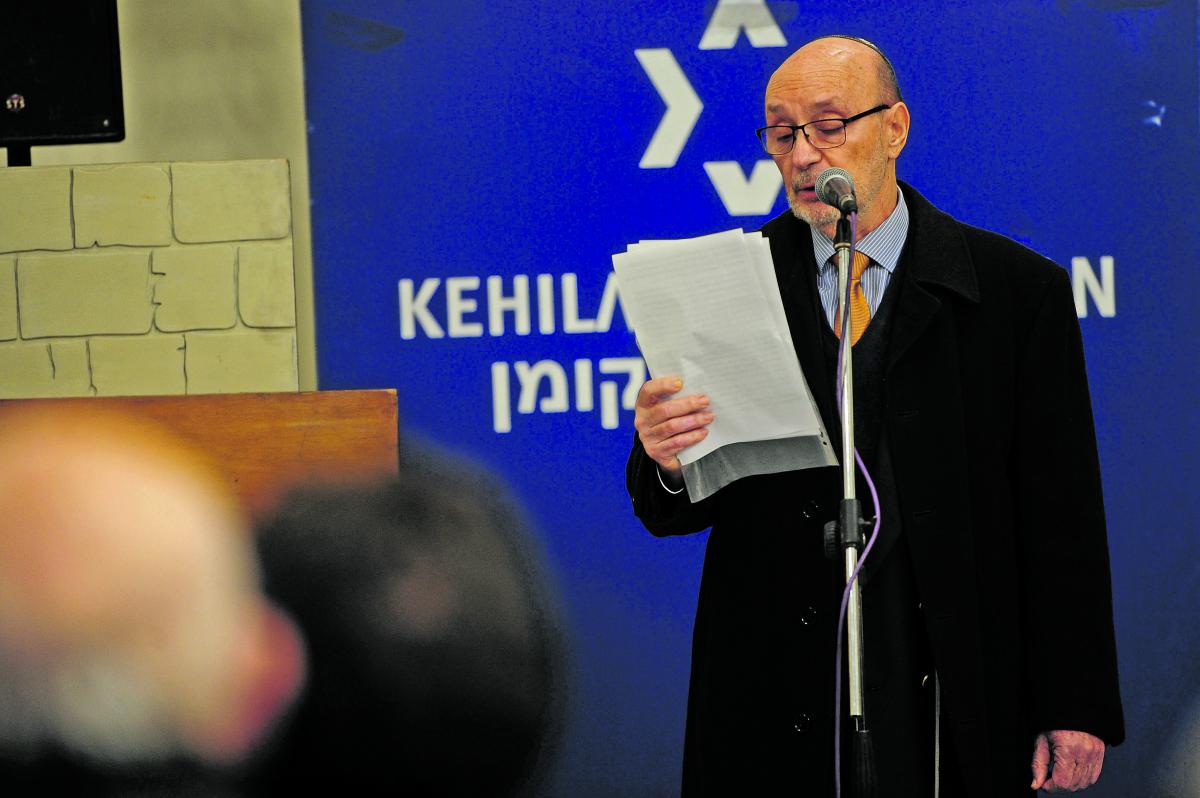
{"x":837,"y":710}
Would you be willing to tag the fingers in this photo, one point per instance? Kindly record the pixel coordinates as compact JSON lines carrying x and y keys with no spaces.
{"x":1096,"y":765}
{"x":668,"y":425}
{"x":655,"y":405}
{"x":1063,"y":773}
{"x":655,"y":390}
{"x":1041,"y":762}
{"x":1077,"y":758}
{"x":665,"y":440}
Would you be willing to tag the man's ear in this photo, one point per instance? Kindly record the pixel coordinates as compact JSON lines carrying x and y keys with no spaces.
{"x":272,"y":672}
{"x":896,"y":122}
{"x":281,"y":673}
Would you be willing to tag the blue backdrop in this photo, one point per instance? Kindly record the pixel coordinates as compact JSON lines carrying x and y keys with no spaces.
{"x":475,"y":164}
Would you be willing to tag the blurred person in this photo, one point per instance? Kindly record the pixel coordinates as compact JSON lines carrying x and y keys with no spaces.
{"x":434,"y":654}
{"x":132,"y":630}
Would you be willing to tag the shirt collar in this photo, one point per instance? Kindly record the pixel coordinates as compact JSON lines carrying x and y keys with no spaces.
{"x":882,"y":245}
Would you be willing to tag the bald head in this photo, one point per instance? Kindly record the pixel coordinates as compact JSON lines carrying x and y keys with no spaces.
{"x":870,"y":69}
{"x":128,"y":590}
{"x":885,"y":72}
{"x":104,"y":524}
{"x":838,"y":78}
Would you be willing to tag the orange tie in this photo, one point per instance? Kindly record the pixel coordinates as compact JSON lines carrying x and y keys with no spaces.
{"x":860,"y":311}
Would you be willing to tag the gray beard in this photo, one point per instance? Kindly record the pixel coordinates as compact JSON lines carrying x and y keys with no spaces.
{"x":824,"y":216}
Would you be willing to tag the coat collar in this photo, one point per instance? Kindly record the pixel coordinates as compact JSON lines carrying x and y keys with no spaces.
{"x":937,"y":264}
{"x":939,"y":253}
{"x":940,"y":256}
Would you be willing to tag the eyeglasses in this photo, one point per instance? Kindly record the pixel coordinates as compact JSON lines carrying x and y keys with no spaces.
{"x":824,"y":134}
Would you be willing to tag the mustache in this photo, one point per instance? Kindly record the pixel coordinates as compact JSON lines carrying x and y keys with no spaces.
{"x":803,"y":181}
{"x":806,"y":180}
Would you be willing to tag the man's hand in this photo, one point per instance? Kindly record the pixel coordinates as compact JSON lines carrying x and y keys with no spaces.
{"x":1066,"y":761}
{"x":665,"y":425}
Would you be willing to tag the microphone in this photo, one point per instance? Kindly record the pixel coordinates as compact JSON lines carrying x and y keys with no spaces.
{"x":836,"y":187}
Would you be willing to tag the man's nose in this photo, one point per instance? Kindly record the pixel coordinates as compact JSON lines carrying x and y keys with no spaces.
{"x":803,"y":153}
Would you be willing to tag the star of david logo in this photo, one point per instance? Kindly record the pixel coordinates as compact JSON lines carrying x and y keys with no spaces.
{"x":741,"y":195}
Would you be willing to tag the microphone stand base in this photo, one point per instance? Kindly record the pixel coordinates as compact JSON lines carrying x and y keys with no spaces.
{"x":865,"y":784}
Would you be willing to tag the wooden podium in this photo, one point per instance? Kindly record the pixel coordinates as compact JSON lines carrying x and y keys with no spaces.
{"x":268,"y":442}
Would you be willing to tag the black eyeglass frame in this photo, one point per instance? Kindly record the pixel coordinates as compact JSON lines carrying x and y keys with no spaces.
{"x":845,"y":121}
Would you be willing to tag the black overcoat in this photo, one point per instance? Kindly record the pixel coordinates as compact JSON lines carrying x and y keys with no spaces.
{"x":987,"y":415}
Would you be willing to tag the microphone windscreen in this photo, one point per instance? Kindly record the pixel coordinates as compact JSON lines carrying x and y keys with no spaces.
{"x":822,"y":186}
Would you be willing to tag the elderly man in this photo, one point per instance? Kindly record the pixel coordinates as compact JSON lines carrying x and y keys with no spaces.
{"x":990,"y":653}
{"x":132,"y":630}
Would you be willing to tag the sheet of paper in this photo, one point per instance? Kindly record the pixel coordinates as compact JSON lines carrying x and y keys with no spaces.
{"x":708,"y":309}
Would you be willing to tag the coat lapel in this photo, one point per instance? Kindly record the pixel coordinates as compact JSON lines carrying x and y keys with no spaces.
{"x":936,"y":257}
{"x":796,"y":270}
{"x":937,"y":260}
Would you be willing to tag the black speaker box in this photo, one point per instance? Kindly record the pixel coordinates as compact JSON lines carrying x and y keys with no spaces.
{"x":60,"y":73}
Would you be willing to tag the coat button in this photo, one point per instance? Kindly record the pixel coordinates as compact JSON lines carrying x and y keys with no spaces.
{"x":924,"y":681}
{"x":802,"y":723}
{"x":810,"y":510}
{"x":807,"y":616}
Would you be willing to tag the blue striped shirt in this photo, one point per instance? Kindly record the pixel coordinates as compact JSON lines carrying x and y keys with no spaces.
{"x":882,"y":245}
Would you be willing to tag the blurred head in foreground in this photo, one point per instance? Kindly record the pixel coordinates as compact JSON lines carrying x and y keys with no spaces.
{"x":131,"y":624}
{"x":433,"y":649}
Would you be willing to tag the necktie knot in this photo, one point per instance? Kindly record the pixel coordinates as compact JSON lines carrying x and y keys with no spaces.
{"x":858,"y":265}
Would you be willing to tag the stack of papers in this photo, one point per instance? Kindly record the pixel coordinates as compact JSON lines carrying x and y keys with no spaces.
{"x":708,"y":310}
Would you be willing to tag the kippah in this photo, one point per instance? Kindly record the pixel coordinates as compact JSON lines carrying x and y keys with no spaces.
{"x":880,"y":53}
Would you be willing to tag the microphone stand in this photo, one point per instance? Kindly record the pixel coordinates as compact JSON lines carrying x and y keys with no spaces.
{"x":846,"y":532}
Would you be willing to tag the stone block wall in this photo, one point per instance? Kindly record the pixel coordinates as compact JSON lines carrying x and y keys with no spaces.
{"x":150,"y":278}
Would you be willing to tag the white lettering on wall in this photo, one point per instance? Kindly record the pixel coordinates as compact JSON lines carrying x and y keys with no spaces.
{"x":570,"y":299}
{"x":458,"y":305}
{"x":543,"y":387}
{"x":415,"y":309}
{"x":499,"y":304}
{"x":635,"y":370}
{"x":530,"y":378}
{"x":545,"y":283}
{"x":509,"y":307}
{"x":501,"y":407}
{"x":583,"y":385}
{"x":608,"y":303}
{"x":1102,"y":290}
